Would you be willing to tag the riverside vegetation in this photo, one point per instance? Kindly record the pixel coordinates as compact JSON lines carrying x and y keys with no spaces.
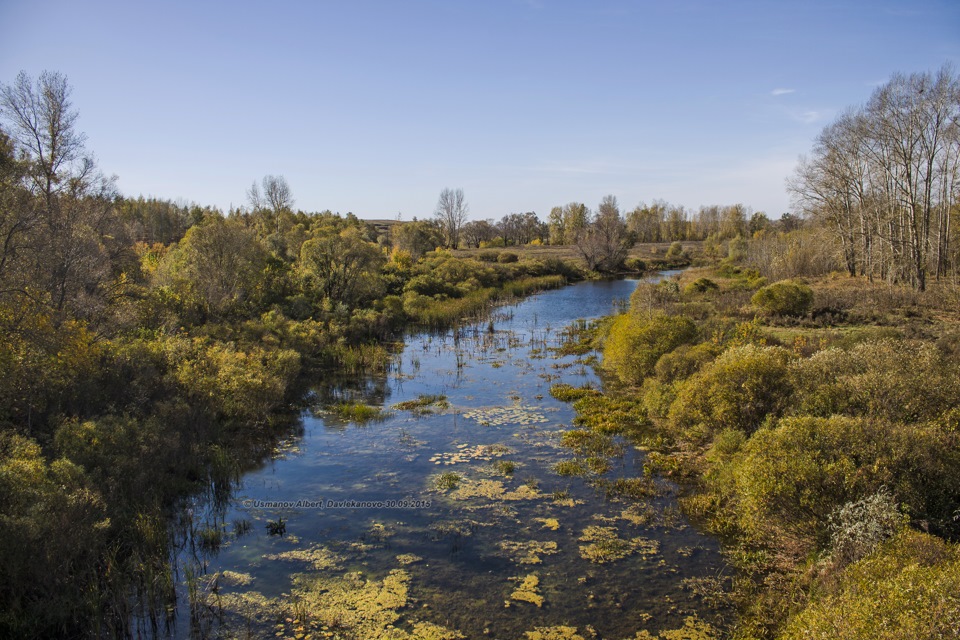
{"x":815,"y":424}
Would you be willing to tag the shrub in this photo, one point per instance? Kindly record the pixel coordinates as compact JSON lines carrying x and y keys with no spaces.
{"x":909,"y":588}
{"x":507,"y":257}
{"x":488,"y":256}
{"x":857,"y":528}
{"x":684,"y":361}
{"x":635,"y":264}
{"x":675,"y":250}
{"x":784,"y":298}
{"x":701,"y":285}
{"x":891,"y":379}
{"x":737,"y":391}
{"x":798,"y":473}
{"x":635,"y":344}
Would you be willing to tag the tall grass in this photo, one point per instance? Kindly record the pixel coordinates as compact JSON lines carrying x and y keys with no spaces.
{"x":443,"y":313}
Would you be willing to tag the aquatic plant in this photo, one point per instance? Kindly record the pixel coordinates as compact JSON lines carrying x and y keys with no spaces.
{"x":276,"y":527}
{"x":527,"y":590}
{"x":423,"y":404}
{"x":528,"y":552}
{"x":447,"y":481}
{"x":604,"y":545}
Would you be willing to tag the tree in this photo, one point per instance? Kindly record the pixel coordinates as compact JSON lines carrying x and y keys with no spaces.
{"x":476,"y":232}
{"x":886,"y":177}
{"x":576,"y":215}
{"x":555,"y":225}
{"x":343,"y":267}
{"x":605,"y":241}
{"x":417,"y":237}
{"x":273,"y":204}
{"x":42,"y":124}
{"x":219,"y":266}
{"x":72,"y":244}
{"x":451,"y":213}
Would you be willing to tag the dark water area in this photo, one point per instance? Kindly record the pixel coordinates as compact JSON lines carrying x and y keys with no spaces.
{"x":361,"y":499}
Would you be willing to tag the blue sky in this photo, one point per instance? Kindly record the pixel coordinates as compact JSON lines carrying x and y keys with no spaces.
{"x":374,"y":107}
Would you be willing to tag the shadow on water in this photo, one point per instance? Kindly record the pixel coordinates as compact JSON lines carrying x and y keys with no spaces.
{"x":439,"y":504}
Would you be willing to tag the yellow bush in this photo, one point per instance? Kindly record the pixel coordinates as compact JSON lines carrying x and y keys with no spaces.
{"x":635,"y":343}
{"x":909,"y":588}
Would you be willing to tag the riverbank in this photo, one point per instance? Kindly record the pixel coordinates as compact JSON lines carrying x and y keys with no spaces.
{"x":815,"y":427}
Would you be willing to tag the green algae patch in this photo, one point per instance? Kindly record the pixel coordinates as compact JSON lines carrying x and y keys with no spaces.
{"x":528,"y":590}
{"x":320,"y":557}
{"x":235,"y":578}
{"x":604,"y":545}
{"x":406,"y":559}
{"x":554,"y":633}
{"x":470,"y":489}
{"x":253,"y":607}
{"x":528,"y":552}
{"x":363,"y":608}
{"x":423,"y":404}
{"x":431,"y":631}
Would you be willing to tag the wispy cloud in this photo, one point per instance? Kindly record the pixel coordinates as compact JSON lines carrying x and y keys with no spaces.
{"x":810,"y":116}
{"x":782,"y":92}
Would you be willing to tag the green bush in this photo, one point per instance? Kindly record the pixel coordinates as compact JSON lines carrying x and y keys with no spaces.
{"x":507,"y":257}
{"x":891,"y":379}
{"x":701,"y":285}
{"x":794,"y":476}
{"x":784,"y":298}
{"x":684,"y":361}
{"x":635,"y":264}
{"x":635,"y":343}
{"x":737,"y":391}
{"x":675,"y":250}
{"x":488,"y":256}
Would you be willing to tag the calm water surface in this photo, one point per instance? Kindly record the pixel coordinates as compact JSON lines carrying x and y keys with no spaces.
{"x":364,"y":498}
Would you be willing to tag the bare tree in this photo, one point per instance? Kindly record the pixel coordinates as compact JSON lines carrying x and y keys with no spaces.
{"x":273,"y":203}
{"x":605,"y":241}
{"x":42,"y":122}
{"x":451,"y":213}
{"x":885,"y":178}
{"x":71,"y":219}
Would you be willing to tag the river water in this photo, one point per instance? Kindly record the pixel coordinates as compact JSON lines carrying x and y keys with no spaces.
{"x":459,"y":500}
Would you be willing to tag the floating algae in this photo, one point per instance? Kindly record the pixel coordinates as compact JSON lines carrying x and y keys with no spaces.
{"x":424,"y":404}
{"x":549,"y":523}
{"x":320,"y":557}
{"x":235,"y":578}
{"x":408,"y":558}
{"x":469,"y":489}
{"x":527,"y":552}
{"x":555,"y":633}
{"x":604,"y":545}
{"x":526,"y":591}
{"x":466,"y":453}
{"x":498,"y":416}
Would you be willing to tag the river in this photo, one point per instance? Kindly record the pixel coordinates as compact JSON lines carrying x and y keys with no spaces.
{"x":448,"y":517}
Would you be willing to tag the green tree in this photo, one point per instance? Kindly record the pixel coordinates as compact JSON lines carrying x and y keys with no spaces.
{"x":219,"y":267}
{"x":343,"y":267}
